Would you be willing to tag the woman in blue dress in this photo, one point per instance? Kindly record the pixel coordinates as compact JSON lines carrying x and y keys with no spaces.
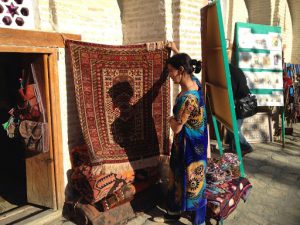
{"x":186,"y":189}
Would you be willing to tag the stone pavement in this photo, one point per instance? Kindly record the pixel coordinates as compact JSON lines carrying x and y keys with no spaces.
{"x":275,"y":197}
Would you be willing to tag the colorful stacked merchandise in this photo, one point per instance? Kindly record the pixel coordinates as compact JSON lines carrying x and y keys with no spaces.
{"x":95,"y":186}
{"x":225,"y":187}
{"x":103,"y":195}
{"x":292,"y":98}
{"x":98,"y":188}
{"x":28,"y":119}
{"x":98,"y":193}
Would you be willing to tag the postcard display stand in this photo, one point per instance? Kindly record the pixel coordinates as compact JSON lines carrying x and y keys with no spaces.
{"x":258,"y":53}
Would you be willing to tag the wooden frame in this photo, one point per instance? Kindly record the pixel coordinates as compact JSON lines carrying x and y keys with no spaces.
{"x":34,"y":38}
{"x":21,"y":41}
{"x":216,"y":79}
{"x":216,"y":76}
{"x":53,"y":112}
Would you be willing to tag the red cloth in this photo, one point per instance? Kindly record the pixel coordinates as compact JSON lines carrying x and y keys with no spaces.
{"x":287,"y":82}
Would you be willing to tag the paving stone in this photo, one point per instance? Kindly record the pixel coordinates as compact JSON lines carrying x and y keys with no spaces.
{"x":289,"y":178}
{"x":279,"y":158}
{"x":280,"y":187}
{"x":258,"y":184}
{"x":253,"y":218}
{"x":268,"y":169}
{"x":298,"y":193}
{"x":292,"y":203}
{"x":293,"y":211}
{"x":257,"y":157}
{"x":265,"y":178}
{"x":251,"y":169}
{"x":293,"y":152}
{"x":288,"y":221}
{"x":276,"y":193}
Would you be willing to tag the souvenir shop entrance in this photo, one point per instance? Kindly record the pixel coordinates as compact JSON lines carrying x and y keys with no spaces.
{"x":30,"y":178}
{"x":26,"y":176}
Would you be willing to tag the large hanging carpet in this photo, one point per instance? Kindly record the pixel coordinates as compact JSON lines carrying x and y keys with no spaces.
{"x":122,"y":97}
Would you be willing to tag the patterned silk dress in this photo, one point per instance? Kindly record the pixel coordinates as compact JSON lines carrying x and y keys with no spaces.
{"x":186,"y":190}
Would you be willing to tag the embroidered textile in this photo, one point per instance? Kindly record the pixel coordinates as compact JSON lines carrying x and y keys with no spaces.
{"x":95,"y":186}
{"x":224,"y":187}
{"x":117,"y":198}
{"x":123,"y":103}
{"x":223,"y":198}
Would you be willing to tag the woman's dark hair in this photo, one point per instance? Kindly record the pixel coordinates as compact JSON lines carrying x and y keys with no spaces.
{"x":182,"y":59}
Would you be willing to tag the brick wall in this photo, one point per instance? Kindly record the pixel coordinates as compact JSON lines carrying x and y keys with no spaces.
{"x":236,"y":11}
{"x":170,"y":14}
{"x":172,"y":33}
{"x":143,"y":21}
{"x":96,"y":20}
{"x":294,"y":7}
{"x":282,"y":17}
{"x":189,"y":27}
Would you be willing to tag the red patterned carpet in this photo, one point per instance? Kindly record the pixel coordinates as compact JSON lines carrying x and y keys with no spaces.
{"x":123,"y":103}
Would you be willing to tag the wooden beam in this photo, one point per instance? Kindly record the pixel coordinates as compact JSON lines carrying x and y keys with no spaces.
{"x":34,"y":38}
{"x":26,"y":49}
{"x":47,"y":85}
{"x":57,"y":130}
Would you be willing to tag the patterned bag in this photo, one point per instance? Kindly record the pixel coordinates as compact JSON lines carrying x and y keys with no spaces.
{"x":246,"y":107}
{"x":35,"y":135}
{"x":118,"y":197}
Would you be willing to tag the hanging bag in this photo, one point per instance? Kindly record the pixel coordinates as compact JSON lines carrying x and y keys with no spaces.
{"x":246,"y":107}
{"x":34,"y":133}
{"x":28,"y":108}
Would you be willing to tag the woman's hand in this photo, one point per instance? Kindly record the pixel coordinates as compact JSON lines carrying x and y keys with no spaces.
{"x":172,"y":46}
{"x":170,"y":118}
{"x":175,"y":125}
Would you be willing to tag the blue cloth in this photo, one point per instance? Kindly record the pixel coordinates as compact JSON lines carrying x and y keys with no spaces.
{"x":291,"y":91}
{"x":189,"y":156}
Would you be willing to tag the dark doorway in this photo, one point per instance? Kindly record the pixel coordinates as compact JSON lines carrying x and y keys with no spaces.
{"x":12,"y":159}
